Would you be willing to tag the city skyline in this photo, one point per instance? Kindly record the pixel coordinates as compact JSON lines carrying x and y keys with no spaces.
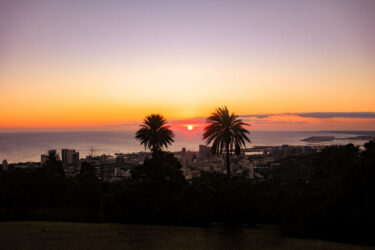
{"x":72,"y":65}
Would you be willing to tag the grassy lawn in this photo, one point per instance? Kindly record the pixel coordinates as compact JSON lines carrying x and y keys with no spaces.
{"x":61,"y":235}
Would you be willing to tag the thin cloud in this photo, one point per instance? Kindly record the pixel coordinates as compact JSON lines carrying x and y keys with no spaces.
{"x":325,"y":115}
{"x":282,"y":122}
{"x":318,"y":115}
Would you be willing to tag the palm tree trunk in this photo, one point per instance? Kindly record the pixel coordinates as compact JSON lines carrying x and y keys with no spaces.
{"x":228,"y":161}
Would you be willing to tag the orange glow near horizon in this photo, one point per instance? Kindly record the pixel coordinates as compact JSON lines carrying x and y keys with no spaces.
{"x":53,"y":76}
{"x":47,"y":98}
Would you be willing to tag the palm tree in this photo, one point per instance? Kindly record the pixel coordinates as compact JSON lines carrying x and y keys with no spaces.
{"x":154,"y":134}
{"x":226,"y":132}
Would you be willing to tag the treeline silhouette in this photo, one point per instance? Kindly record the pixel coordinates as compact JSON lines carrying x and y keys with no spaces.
{"x":332,"y":198}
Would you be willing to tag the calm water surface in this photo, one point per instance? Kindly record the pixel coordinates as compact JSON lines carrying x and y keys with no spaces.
{"x":28,"y":146}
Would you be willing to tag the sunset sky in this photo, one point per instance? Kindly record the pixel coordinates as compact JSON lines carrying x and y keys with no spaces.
{"x":280,"y":65}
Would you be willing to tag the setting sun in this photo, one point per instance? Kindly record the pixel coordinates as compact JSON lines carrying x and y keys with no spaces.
{"x":190,"y":127}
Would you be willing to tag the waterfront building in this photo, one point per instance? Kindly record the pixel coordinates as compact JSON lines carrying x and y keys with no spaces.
{"x":70,"y":161}
{"x":43,"y":159}
{"x":75,"y":161}
{"x":67,"y":156}
{"x":5,"y":165}
{"x":50,"y":154}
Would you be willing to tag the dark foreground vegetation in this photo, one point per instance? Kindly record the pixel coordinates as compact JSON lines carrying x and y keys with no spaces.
{"x":332,"y":198}
{"x":42,"y":235}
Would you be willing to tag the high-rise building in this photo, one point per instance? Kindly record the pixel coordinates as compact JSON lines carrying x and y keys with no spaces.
{"x":70,"y":160}
{"x":5,"y":165}
{"x":183,"y":158}
{"x":51,"y":154}
{"x":67,"y":156}
{"x":75,"y":160}
{"x":43,"y":159}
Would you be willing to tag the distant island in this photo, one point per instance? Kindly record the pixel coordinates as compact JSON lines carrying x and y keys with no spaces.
{"x":331,"y":138}
{"x":319,"y":139}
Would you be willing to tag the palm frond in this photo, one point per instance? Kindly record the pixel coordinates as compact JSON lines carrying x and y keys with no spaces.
{"x":154,"y":133}
{"x":225,"y":131}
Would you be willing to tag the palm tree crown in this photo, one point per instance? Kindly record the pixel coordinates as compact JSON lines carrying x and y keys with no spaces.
{"x":154,"y":134}
{"x":226,"y":132}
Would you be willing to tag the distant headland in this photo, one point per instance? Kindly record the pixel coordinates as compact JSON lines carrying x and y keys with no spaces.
{"x":360,"y":136}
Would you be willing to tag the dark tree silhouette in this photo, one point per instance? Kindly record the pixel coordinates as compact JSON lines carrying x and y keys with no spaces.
{"x":226,"y":132}
{"x":162,"y":168}
{"x":327,"y":195}
{"x":154,"y":133}
{"x":54,"y":165}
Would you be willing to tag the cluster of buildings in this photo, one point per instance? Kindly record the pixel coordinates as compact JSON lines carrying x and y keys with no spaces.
{"x":69,"y":158}
{"x":23,"y":165}
{"x":193,"y":163}
{"x":119,"y":166}
{"x":245,"y":164}
{"x":107,"y":167}
{"x":269,"y":156}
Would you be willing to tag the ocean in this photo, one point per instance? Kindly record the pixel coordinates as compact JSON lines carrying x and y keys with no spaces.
{"x":28,"y":146}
